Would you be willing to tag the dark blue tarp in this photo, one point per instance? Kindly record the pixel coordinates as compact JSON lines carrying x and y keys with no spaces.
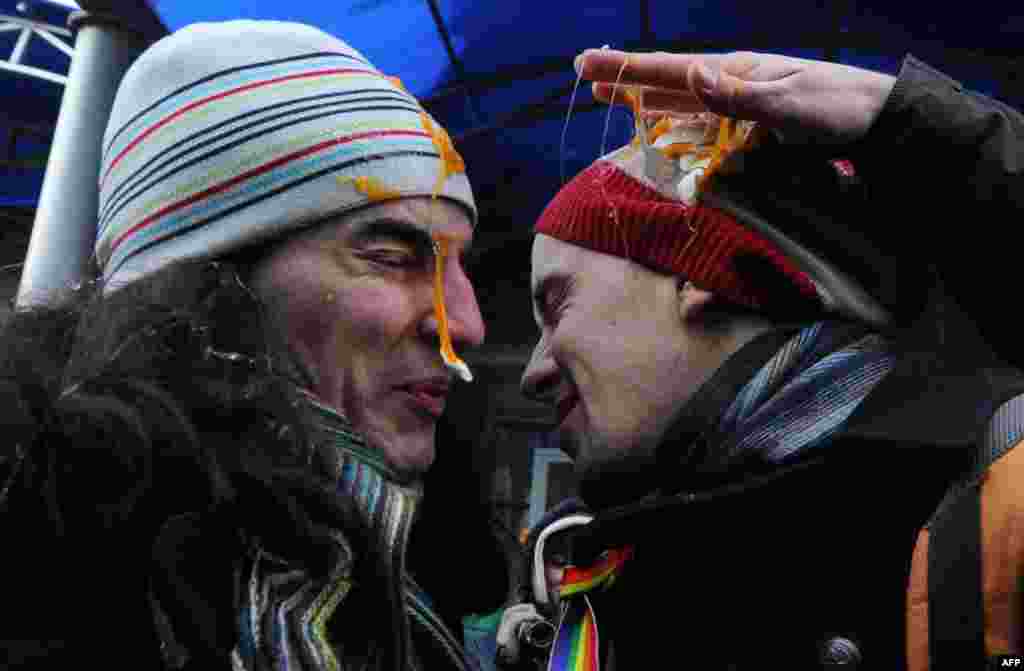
{"x":502,"y":90}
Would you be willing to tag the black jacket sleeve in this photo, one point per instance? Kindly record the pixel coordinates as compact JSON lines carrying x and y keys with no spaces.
{"x":946,"y":170}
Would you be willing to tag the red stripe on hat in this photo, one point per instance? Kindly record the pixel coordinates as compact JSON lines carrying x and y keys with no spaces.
{"x":223,"y":186}
{"x":217,"y":96}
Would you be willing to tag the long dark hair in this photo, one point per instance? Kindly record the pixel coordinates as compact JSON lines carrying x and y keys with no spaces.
{"x":174,"y":396}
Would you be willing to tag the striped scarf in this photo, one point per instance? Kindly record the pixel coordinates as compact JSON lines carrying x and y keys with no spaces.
{"x":284,"y":611}
{"x":804,"y":394}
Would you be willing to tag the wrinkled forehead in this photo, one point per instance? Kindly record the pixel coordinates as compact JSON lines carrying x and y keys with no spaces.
{"x":425,"y":215}
{"x":430,"y":215}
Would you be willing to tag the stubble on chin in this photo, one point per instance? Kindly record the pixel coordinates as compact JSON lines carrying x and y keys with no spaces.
{"x":408,"y":458}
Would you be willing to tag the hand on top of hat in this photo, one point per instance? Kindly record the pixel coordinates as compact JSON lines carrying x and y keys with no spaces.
{"x":803,"y":100}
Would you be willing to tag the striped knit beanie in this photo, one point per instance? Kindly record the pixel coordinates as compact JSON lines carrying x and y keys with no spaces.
{"x":227,"y":134}
{"x":676,"y":200}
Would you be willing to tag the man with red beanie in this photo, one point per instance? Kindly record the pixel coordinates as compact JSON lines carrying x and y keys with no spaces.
{"x":735,"y":367}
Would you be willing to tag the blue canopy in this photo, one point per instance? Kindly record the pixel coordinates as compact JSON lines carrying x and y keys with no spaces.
{"x":499,"y":74}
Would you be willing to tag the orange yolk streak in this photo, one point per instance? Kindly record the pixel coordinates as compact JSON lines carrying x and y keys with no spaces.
{"x":372,"y":188}
{"x":632,"y":98}
{"x":451,"y":163}
{"x":730,"y":138}
{"x":448,"y":355}
{"x":678,"y":149}
{"x":663,"y":126}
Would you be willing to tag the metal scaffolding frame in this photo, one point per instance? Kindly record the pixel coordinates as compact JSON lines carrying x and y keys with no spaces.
{"x":27,"y":29}
{"x":64,"y":231}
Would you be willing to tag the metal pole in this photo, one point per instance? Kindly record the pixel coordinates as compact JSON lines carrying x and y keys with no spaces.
{"x":64,"y":231}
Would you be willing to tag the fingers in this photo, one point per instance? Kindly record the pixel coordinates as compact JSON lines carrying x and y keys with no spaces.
{"x":731,"y":98}
{"x":659,"y":99}
{"x":681,"y":83}
{"x":705,"y":90}
{"x":703,"y":81}
{"x":719,"y":91}
{"x":507,"y":637}
{"x":657,"y":70}
{"x":827,"y":99}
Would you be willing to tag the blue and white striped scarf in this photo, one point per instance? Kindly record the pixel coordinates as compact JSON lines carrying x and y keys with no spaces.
{"x":285,"y":612}
{"x":804,"y":394}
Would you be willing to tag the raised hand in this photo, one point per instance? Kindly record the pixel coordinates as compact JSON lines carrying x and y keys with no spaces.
{"x":804,"y":100}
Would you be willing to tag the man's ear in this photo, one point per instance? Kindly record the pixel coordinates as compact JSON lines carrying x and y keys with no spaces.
{"x":693,"y":302}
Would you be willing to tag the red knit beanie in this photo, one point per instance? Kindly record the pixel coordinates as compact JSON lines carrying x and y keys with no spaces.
{"x":656,"y":203}
{"x":608,"y":211}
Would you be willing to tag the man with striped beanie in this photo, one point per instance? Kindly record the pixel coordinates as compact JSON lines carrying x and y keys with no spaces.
{"x":279,"y":144}
{"x":713,"y":334}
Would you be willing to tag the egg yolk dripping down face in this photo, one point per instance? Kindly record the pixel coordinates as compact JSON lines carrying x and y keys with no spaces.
{"x":451,"y":163}
{"x":377,"y":191}
{"x":448,"y":355}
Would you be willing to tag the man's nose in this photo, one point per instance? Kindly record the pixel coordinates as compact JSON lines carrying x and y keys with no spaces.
{"x":465,"y":322}
{"x":540,"y":379}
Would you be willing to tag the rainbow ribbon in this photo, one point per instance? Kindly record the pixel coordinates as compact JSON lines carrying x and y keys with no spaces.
{"x":577,"y":645}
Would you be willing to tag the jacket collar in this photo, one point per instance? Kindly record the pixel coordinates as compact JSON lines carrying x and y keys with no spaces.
{"x":683,"y":457}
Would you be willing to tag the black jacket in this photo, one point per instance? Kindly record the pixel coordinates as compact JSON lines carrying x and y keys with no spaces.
{"x":773,"y":569}
{"x":948,"y":164}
